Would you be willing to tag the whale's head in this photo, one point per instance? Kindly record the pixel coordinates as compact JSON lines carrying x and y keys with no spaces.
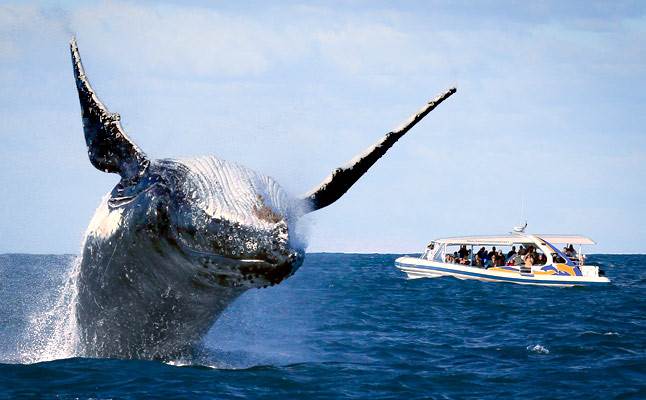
{"x":235,"y":226}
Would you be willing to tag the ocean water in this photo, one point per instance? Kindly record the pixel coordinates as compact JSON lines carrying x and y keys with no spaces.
{"x":349,"y":326}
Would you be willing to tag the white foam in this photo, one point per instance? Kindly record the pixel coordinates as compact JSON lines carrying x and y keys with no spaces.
{"x":538,"y":349}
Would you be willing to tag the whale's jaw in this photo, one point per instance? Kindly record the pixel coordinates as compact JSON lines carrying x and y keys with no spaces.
{"x":145,"y":298}
{"x":147,"y":301}
{"x":143,"y":304}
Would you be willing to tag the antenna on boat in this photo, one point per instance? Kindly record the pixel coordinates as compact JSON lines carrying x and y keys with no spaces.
{"x":519,"y":228}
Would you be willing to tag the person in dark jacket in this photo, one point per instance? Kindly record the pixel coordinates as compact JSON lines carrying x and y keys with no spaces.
{"x":511,"y":253}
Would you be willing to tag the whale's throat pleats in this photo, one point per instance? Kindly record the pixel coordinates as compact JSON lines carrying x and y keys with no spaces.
{"x":232,"y":192}
{"x":220,"y":207}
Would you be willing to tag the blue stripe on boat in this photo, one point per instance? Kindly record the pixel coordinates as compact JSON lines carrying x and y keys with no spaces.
{"x":510,"y":279}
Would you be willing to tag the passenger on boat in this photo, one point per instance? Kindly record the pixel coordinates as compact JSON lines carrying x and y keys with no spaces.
{"x":478,"y":262}
{"x":570,"y":252}
{"x":501,"y":258}
{"x":482,"y":253}
{"x":511,"y":253}
{"x":463,"y":251}
{"x":528,"y":262}
{"x":557,"y":258}
{"x":493,"y":261}
{"x":491,"y":253}
{"x":518,"y":259}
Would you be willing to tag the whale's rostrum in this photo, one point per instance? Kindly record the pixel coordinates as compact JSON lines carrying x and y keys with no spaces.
{"x":177,"y":240}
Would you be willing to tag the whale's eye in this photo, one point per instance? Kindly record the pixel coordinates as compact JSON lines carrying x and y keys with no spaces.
{"x":115,"y":202}
{"x":125,"y":192}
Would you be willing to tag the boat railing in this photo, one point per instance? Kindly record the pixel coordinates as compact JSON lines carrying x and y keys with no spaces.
{"x":577,"y":260}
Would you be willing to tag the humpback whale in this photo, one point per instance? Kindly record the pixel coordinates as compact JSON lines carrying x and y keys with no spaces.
{"x":177,"y":240}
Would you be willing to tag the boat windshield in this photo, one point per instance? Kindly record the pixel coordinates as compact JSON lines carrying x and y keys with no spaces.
{"x":434,"y":252}
{"x":569,"y":256}
{"x":438,"y":256}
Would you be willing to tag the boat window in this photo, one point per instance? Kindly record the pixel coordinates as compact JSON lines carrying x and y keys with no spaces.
{"x":457,"y":254}
{"x":438,"y":256}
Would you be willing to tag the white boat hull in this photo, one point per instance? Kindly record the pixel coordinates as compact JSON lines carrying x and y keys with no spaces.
{"x":417,"y":268}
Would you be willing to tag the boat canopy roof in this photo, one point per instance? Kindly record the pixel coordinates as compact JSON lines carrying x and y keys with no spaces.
{"x":569,"y":239}
{"x":513,"y":238}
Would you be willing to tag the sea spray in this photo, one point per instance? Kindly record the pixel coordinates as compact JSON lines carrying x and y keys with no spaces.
{"x":52,"y":333}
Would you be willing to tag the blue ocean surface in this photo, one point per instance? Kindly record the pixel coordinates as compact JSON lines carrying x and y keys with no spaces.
{"x":350,"y":326}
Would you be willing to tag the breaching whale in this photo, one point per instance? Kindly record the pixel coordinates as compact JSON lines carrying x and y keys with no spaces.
{"x":177,"y":240}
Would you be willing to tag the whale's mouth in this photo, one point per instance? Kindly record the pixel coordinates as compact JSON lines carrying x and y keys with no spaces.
{"x":220,"y":270}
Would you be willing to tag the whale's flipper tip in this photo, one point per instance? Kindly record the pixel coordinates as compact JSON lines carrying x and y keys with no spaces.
{"x":74,"y":50}
{"x":109,"y":148}
{"x":340,"y":181}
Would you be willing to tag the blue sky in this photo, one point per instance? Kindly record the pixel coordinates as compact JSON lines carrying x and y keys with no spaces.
{"x":549,"y":112}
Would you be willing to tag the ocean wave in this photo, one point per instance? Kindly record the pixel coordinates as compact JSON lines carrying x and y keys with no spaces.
{"x":609,"y":333}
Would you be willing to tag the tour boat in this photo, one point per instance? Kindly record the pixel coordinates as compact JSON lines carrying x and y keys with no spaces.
{"x":460,"y":257}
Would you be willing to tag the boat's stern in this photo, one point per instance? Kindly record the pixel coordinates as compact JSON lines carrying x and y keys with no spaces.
{"x":594,"y":273}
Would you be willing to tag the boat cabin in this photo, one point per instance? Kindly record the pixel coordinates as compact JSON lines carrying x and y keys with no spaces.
{"x":519,"y":257}
{"x":507,"y":250}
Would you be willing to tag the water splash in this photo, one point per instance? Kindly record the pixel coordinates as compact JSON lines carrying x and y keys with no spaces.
{"x":538,"y":349}
{"x":52,"y":333}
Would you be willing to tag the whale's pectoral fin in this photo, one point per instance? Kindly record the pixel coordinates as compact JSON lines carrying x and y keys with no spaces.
{"x":109,"y":148}
{"x":336,"y":184}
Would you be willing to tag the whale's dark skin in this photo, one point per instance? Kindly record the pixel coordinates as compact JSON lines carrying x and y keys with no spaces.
{"x":176,"y":241}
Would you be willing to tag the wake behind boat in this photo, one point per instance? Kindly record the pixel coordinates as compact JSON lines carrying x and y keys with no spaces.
{"x":526,"y":259}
